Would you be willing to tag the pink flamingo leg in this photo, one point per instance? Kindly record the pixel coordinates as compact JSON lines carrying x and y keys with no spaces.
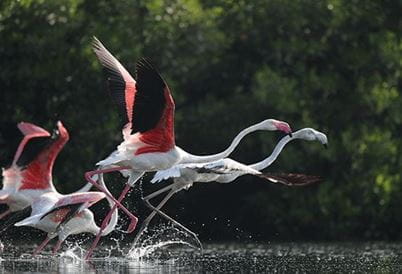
{"x":88,"y":177}
{"x":106,"y":221}
{"x":41,"y":246}
{"x":57,"y":246}
{"x":5,"y":213}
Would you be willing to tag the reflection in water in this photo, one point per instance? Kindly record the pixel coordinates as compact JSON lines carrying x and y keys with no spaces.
{"x":294,"y":257}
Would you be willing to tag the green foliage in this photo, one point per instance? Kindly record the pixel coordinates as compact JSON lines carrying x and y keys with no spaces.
{"x":334,"y":65}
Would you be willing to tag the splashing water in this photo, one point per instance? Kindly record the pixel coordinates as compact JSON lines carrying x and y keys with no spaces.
{"x":137,"y":253}
{"x":1,"y":250}
{"x":157,"y":238}
{"x":223,"y":258}
{"x":70,"y":254}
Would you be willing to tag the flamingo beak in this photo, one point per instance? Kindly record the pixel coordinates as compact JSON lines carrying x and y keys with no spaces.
{"x":326,"y":146}
{"x":283,"y":126}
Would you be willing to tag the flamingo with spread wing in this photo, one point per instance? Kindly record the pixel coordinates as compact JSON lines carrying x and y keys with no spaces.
{"x":226,"y":171}
{"x":148,"y":113}
{"x":63,"y":215}
{"x":30,"y":174}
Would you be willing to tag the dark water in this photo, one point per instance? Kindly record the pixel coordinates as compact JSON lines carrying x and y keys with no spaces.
{"x":222,"y":258}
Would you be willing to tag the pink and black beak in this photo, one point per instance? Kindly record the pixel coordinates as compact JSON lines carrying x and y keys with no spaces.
{"x":283,"y":126}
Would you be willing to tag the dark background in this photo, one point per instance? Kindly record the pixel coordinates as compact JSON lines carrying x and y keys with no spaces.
{"x":332,"y":65}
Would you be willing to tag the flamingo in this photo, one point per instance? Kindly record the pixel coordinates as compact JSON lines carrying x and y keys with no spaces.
{"x":148,"y":113}
{"x":226,"y":171}
{"x":63,"y":215}
{"x":30,"y":174}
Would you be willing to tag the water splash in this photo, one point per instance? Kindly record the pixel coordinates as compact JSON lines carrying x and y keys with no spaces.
{"x":158,"y":238}
{"x":72,"y":256}
{"x":1,"y":251}
{"x":137,"y":253}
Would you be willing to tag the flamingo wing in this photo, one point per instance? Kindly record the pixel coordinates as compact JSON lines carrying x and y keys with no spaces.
{"x":151,"y":98}
{"x":39,"y":207}
{"x":146,"y":104}
{"x":37,"y":159}
{"x":223,"y":166}
{"x":161,"y":175}
{"x":70,"y":205}
{"x":31,"y":132}
{"x":291,"y":179}
{"x":121,"y":84}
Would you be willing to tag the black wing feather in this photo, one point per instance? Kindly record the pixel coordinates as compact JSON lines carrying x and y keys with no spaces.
{"x":115,"y":80}
{"x":33,"y":148}
{"x":291,"y":179}
{"x":149,"y":98}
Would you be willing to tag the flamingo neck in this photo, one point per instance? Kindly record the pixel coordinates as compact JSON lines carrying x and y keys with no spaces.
{"x":190,"y":158}
{"x":161,"y":138}
{"x":275,"y":153}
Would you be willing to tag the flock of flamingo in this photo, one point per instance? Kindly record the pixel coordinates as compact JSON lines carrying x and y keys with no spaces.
{"x":148,"y":146}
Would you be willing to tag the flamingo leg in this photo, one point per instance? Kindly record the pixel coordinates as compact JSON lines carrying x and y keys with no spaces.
{"x":106,"y":221}
{"x":41,"y":246}
{"x":5,"y":213}
{"x":88,"y":177}
{"x":57,"y":246}
{"x":146,"y":222}
{"x":173,"y":220}
{"x":160,"y":191}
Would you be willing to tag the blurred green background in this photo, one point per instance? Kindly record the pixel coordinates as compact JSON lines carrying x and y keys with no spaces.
{"x":333,"y":65}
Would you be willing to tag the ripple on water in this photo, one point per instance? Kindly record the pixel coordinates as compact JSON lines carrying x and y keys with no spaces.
{"x":172,"y":257}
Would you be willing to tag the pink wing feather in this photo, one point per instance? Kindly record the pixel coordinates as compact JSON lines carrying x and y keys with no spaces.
{"x":30,"y":131}
{"x":121,"y":83}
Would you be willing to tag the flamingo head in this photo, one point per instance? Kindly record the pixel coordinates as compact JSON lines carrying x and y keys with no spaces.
{"x":272,"y":124}
{"x":61,"y":131}
{"x":311,"y":134}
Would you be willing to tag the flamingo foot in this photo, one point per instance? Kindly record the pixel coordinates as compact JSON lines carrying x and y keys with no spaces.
{"x":133,"y":225}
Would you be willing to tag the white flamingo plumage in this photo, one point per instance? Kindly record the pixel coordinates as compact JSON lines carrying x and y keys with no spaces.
{"x":148,"y":112}
{"x":225,"y":171}
{"x":30,"y":174}
{"x":63,"y":215}
{"x":28,"y":183}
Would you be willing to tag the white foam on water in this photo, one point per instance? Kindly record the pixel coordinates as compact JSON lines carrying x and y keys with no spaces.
{"x":71,"y":254}
{"x":137,"y":253}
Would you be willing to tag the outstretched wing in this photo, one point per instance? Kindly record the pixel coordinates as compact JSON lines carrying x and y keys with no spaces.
{"x":219,"y":167}
{"x":161,"y":175}
{"x":121,"y":84}
{"x":71,"y":205}
{"x":36,"y":136}
{"x":226,"y":166}
{"x":150,"y":99}
{"x":291,"y":179}
{"x":34,"y":141}
{"x":36,"y":167}
{"x":147,"y":104}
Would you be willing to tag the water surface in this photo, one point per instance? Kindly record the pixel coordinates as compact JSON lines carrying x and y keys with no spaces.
{"x":224,"y":258}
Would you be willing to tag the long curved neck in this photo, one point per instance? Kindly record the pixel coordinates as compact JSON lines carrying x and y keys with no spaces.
{"x":115,"y":216}
{"x":190,"y":158}
{"x":274,"y":155}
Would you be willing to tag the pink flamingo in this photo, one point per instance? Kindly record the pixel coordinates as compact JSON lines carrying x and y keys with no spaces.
{"x":30,"y":174}
{"x":225,"y":171}
{"x":63,"y":215}
{"x":149,"y":141}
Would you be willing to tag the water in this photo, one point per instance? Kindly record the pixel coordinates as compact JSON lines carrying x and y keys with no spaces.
{"x":223,"y":258}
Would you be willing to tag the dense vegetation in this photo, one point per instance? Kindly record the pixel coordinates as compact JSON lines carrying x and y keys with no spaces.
{"x":333,"y":65}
